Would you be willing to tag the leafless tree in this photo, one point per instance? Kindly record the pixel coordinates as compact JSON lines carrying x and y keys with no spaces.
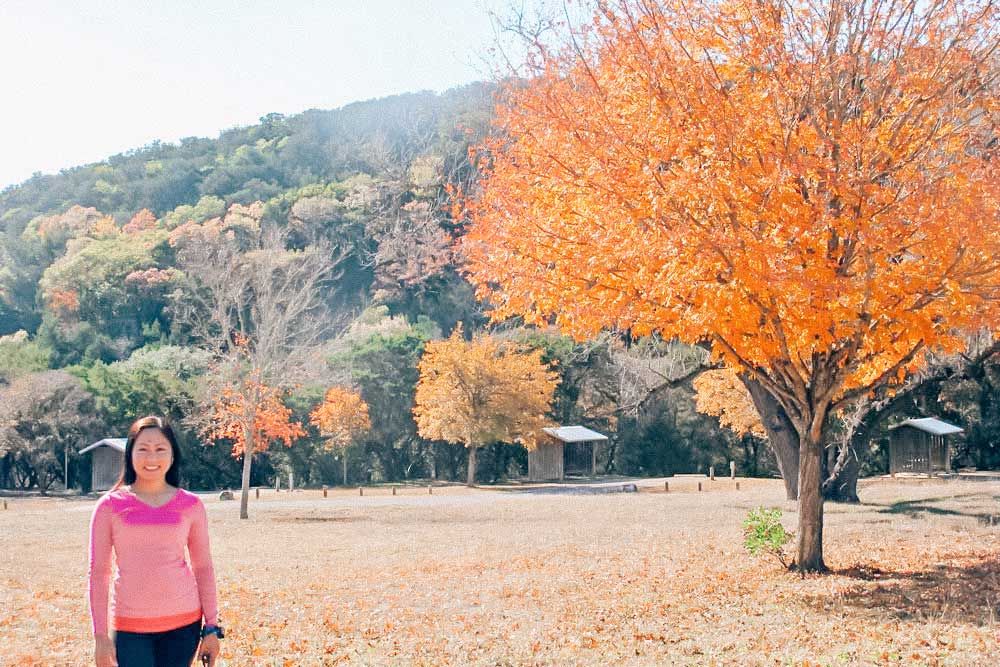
{"x":260,"y":311}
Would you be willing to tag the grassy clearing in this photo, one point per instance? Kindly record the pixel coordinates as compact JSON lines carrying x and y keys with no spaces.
{"x":476,"y":577}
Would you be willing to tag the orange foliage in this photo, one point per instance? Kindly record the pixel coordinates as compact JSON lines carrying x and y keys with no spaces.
{"x":721,"y":394}
{"x":150,"y":279}
{"x":193,"y":233}
{"x":142,"y":221}
{"x":482,"y":391}
{"x":254,"y":411}
{"x":796,"y":183}
{"x":796,"y":205}
{"x":341,"y":417}
{"x":104,"y":228}
{"x":64,"y":301}
{"x":74,"y":222}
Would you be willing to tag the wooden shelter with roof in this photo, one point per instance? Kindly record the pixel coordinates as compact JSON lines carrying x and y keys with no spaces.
{"x":568,"y":450}
{"x":920,"y":446}
{"x":106,"y":462}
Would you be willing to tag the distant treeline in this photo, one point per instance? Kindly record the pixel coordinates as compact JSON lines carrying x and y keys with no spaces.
{"x":96,"y":297}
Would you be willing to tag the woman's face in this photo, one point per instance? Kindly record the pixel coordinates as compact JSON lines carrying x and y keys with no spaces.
{"x":151,"y":455}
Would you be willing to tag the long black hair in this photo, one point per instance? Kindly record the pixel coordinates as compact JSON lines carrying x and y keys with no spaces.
{"x":128,"y":475}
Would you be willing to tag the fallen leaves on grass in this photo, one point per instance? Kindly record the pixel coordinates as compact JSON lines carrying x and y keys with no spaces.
{"x":633,"y":579}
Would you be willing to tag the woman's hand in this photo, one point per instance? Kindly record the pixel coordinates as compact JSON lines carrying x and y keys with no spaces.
{"x":104,"y":652}
{"x":209,"y":647}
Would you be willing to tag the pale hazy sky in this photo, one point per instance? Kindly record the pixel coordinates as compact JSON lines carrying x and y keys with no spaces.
{"x":85,"y":79}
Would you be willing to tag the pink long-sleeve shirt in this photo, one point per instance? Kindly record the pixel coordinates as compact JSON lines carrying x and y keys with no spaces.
{"x":155,"y":588}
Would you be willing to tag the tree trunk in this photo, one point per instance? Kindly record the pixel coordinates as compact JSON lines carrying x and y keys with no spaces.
{"x":844,"y":488}
{"x":810,"y":545}
{"x":245,"y":493}
{"x":471,"y":480}
{"x":344,"y":456}
{"x":781,"y":435}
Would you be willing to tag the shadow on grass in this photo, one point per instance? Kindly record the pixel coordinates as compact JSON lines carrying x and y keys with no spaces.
{"x":914,"y":508}
{"x":315,"y":519}
{"x":34,"y":494}
{"x":578,"y":490}
{"x":965,"y":594}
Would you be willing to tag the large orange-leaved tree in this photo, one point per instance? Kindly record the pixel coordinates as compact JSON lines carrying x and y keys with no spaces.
{"x":482,"y":391}
{"x":810,"y":187}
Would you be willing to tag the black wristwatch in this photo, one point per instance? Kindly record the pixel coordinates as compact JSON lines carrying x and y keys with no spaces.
{"x":213,"y":630}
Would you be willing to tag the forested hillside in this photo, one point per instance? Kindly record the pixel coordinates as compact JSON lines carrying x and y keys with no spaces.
{"x":309,"y":251}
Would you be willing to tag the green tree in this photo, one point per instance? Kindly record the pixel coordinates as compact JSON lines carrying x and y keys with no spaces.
{"x":20,"y":356}
{"x":384,"y":367}
{"x":111,"y":283}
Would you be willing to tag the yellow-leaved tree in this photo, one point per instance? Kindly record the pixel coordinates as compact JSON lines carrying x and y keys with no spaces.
{"x":482,"y":391}
{"x":720,"y":393}
{"x":341,"y":418}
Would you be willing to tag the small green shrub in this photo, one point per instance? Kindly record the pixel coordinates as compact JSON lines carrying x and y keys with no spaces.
{"x":764,"y":534}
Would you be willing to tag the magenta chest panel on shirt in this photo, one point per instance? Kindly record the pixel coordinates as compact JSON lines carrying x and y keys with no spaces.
{"x":125,"y":503}
{"x":143,"y":515}
{"x":137,"y":527}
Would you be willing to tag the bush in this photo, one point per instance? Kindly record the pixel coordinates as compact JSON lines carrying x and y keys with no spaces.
{"x":764,"y":534}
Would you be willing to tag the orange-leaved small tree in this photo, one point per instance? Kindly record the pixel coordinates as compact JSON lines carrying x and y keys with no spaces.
{"x":482,"y":391}
{"x":341,"y":418}
{"x":252,"y":416}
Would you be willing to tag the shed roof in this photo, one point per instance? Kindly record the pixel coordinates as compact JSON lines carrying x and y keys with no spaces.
{"x":113,"y":443}
{"x":574,"y":434}
{"x":930,"y":425}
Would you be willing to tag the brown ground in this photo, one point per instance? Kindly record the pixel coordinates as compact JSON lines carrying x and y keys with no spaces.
{"x":477,"y":577}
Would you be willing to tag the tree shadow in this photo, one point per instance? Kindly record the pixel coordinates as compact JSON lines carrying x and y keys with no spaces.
{"x":585,"y":490}
{"x":35,"y":494}
{"x":964,"y":594}
{"x":914,"y":508}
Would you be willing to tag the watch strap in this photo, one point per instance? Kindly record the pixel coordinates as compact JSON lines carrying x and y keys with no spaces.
{"x":212,"y":630}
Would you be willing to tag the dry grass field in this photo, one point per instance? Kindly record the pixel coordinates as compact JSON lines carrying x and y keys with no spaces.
{"x":498,"y":578}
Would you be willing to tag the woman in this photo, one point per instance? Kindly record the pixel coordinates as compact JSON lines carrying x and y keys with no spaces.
{"x":159,"y":599}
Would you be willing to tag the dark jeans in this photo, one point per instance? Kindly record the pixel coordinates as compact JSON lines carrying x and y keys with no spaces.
{"x":173,"y":648}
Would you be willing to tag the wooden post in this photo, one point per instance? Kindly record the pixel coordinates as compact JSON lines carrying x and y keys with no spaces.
{"x":393,"y":490}
{"x":666,"y":487}
{"x":5,"y":505}
{"x":361,"y":490}
{"x":699,"y":486}
{"x":737,"y":486}
{"x":711,"y":473}
{"x":593,"y":459}
{"x":430,"y":489}
{"x":732,"y":470}
{"x":256,"y":492}
{"x":324,"y":490}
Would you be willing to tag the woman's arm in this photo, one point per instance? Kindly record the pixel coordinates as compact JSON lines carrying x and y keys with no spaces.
{"x":201,"y":564}
{"x":99,"y":571}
